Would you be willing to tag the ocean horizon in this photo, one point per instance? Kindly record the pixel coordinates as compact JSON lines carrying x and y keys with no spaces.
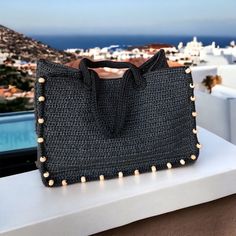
{"x":62,"y":42}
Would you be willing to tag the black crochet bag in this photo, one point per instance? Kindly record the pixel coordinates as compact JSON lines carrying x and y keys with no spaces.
{"x":90,"y":128}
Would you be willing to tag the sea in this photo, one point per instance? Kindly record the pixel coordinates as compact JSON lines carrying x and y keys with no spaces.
{"x":62,"y":42}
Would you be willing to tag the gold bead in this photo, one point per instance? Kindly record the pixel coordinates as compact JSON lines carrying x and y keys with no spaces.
{"x":83,"y":179}
{"x":153,"y":168}
{"x":41,"y":80}
{"x":101,"y":177}
{"x":194,"y":131}
{"x":45,"y":174}
{"x":198,"y":145}
{"x":182,"y":162}
{"x":193,"y":157}
{"x":120,"y":174}
{"x":169,"y":165}
{"x":51,"y":182}
{"x":136,"y":172}
{"x":192,"y":98}
{"x":40,"y":120}
{"x":188,"y":70}
{"x":192,"y":85}
{"x":42,"y":159}
{"x":40,"y":140}
{"x":41,"y":99}
{"x":194,"y":113}
{"x":63,"y":182}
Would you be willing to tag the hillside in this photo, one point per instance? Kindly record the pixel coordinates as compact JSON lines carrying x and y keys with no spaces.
{"x":19,"y":46}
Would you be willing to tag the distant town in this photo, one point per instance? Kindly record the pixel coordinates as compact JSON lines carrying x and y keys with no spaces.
{"x":19,"y":54}
{"x":194,"y":53}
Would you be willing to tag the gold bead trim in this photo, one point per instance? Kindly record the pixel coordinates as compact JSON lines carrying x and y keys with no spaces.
{"x":41,"y":80}
{"x":182,"y":162}
{"x":192,"y":86}
{"x":169,"y":165}
{"x":194,"y":113}
{"x":40,"y":120}
{"x":120,"y":174}
{"x":64,"y":182}
{"x":153,"y":168}
{"x":101,"y":177}
{"x":83,"y":179}
{"x":198,"y":145}
{"x":41,"y":99}
{"x":40,"y":140}
{"x":192,"y":98}
{"x":188,"y":70}
{"x":42,"y":159}
{"x":195,"y":131}
{"x":51,"y":182}
{"x":46,"y":174}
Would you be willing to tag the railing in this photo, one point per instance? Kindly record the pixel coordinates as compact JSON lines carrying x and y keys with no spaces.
{"x":8,"y":114}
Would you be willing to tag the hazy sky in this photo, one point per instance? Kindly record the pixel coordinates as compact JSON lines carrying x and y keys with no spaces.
{"x":169,"y":17}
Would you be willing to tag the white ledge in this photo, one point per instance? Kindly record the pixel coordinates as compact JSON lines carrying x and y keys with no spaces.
{"x":29,"y":208}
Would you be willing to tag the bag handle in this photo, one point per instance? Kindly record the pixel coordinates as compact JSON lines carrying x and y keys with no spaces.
{"x":85,"y":64}
{"x":91,"y":80}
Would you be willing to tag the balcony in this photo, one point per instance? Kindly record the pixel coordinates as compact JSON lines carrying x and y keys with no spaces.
{"x":202,"y":194}
{"x":28,"y":208}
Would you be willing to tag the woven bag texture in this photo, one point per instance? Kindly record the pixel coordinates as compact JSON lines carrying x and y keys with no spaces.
{"x":158,"y":123}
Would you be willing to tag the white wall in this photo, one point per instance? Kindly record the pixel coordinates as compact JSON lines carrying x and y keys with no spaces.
{"x":228,"y":74}
{"x":214,"y":114}
{"x":199,"y":74}
{"x":232,"y":107}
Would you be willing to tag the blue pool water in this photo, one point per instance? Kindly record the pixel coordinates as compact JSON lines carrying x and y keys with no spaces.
{"x":17,"y":132}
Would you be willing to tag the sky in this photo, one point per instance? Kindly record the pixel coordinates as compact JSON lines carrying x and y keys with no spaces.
{"x":124,"y":17}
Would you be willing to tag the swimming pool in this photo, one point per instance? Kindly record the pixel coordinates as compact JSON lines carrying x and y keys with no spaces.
{"x":17,"y":131}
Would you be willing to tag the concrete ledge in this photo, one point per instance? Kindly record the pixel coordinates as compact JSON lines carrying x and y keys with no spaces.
{"x":28,"y":208}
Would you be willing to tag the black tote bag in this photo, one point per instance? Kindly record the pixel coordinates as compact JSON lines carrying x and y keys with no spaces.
{"x":90,"y":128}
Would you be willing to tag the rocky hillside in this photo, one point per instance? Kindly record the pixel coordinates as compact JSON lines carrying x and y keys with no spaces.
{"x":18,"y":46}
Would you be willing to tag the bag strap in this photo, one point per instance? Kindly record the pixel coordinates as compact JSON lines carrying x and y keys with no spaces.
{"x":158,"y":61}
{"x":85,"y":64}
{"x":91,"y":81}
